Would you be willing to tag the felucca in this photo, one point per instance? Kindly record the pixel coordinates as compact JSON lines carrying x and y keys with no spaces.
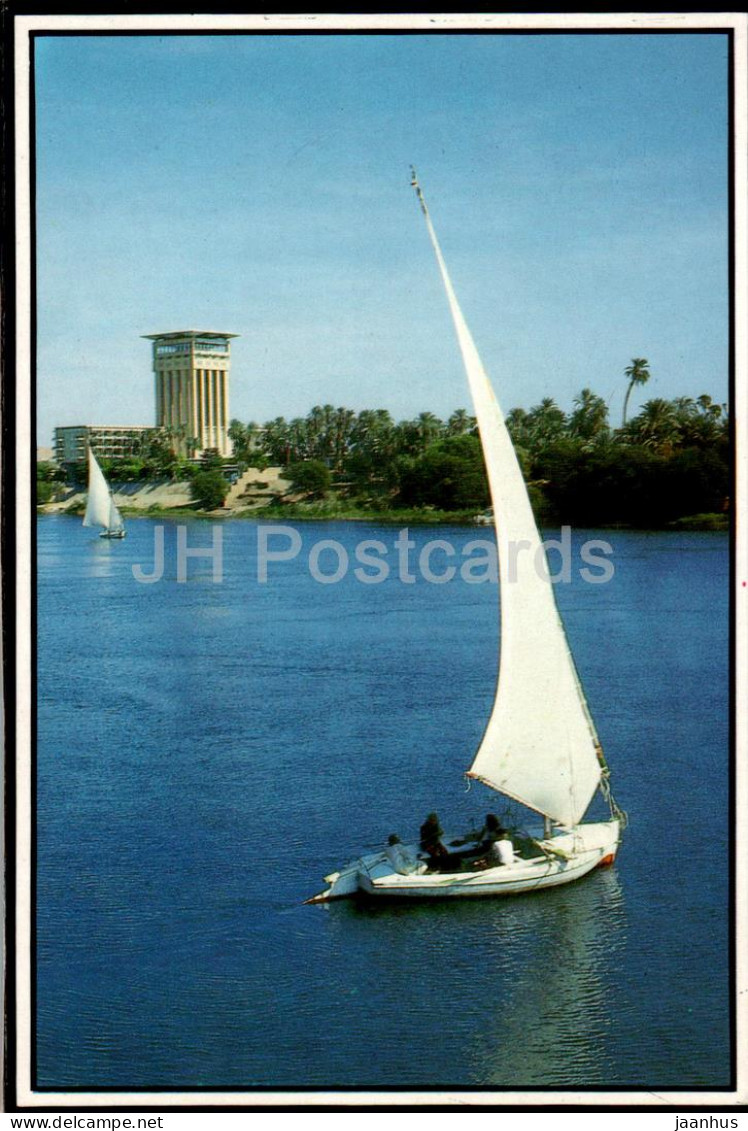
{"x":540,"y":746}
{"x":100,"y":506}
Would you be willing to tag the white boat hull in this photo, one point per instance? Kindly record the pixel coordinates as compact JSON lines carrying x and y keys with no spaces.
{"x":567,"y":857}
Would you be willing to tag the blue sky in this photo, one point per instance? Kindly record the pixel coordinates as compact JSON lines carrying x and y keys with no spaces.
{"x":259,"y":185}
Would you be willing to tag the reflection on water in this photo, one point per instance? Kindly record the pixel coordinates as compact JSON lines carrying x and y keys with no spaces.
{"x":102,"y":557}
{"x":553,"y":1002}
{"x":535,"y":969}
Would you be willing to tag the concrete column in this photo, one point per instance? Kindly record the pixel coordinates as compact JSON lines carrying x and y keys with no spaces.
{"x":217,"y":397}
{"x":193,"y":430}
{"x":225,"y":405}
{"x":214,"y":406}
{"x":208,"y":420}
{"x":200,"y":407}
{"x":208,"y":412}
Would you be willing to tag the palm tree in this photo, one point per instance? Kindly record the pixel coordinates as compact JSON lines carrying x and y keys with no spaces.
{"x":429,"y":428}
{"x":317,"y":429}
{"x":460,"y":422}
{"x":298,"y":440}
{"x":546,"y":422}
{"x":638,"y":374}
{"x":519,"y":429}
{"x":707,"y":406}
{"x":277,"y":440}
{"x":590,"y":416}
{"x":657,"y":426}
{"x":343,"y":422}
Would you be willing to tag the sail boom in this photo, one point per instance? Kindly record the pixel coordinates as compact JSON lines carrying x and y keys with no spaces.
{"x":507,"y":793}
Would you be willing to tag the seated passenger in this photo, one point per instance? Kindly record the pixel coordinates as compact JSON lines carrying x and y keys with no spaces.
{"x":401,"y":859}
{"x":431,"y":842}
{"x":491,"y":832}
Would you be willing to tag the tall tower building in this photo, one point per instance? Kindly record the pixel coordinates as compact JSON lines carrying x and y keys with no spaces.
{"x":192,"y":388}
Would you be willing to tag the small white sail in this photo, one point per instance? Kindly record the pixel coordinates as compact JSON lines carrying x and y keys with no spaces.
{"x":540,"y":745}
{"x":99,"y":498}
{"x":115,"y":518}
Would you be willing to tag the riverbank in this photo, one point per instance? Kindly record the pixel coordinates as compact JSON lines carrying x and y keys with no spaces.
{"x":266,"y":494}
{"x":334,"y":511}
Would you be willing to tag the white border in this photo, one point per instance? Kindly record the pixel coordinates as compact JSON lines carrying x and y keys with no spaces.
{"x":634,"y":21}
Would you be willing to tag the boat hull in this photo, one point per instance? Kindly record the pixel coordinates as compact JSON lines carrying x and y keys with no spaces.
{"x":561,"y":859}
{"x":112,"y":534}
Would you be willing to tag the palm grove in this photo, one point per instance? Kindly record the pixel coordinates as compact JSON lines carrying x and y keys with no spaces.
{"x":667,"y":463}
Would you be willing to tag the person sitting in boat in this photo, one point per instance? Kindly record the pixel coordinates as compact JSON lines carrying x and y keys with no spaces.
{"x":431,"y":840}
{"x":491,"y":833}
{"x":495,"y":845}
{"x":401,"y":858}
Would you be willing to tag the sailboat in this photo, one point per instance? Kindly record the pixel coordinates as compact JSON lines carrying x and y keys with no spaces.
{"x":100,"y":507}
{"x":540,"y":747}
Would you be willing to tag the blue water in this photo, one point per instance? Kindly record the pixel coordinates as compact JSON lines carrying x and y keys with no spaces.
{"x":208,"y":751}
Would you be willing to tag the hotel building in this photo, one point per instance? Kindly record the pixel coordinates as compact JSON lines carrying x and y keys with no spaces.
{"x":191,"y":368}
{"x":108,"y":440}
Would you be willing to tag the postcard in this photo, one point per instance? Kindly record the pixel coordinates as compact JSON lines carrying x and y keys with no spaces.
{"x":379,"y":599}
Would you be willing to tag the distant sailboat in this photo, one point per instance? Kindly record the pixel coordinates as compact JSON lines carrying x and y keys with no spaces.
{"x":100,"y":507}
{"x":540,"y":746}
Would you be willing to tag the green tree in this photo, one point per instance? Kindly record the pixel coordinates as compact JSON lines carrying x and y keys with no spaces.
{"x":415,"y":436}
{"x":159,"y":452}
{"x":249,"y":449}
{"x":49,"y":472}
{"x":460,"y":422}
{"x":638,"y":374}
{"x":211,"y":460}
{"x":545,"y":423}
{"x":657,"y":426}
{"x":519,"y":428}
{"x":43,"y":491}
{"x":589,"y":420}
{"x":372,"y":461}
{"x":343,"y":424}
{"x":237,"y":433}
{"x":298,"y":440}
{"x":276,"y":440}
{"x":209,"y":489}
{"x":311,"y":476}
{"x":449,"y":475}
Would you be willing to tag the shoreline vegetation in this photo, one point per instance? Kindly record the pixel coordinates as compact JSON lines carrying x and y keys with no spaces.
{"x":666,"y":468}
{"x":403,"y":518}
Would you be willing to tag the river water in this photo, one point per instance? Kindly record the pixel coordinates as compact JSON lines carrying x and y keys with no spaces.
{"x":209,"y":749}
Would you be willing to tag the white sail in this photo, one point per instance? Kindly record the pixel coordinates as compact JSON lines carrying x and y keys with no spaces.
{"x":99,"y":501}
{"x":540,"y":745}
{"x":115,"y":518}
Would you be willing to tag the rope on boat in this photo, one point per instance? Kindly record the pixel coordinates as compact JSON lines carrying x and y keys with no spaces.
{"x":615,"y":809}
